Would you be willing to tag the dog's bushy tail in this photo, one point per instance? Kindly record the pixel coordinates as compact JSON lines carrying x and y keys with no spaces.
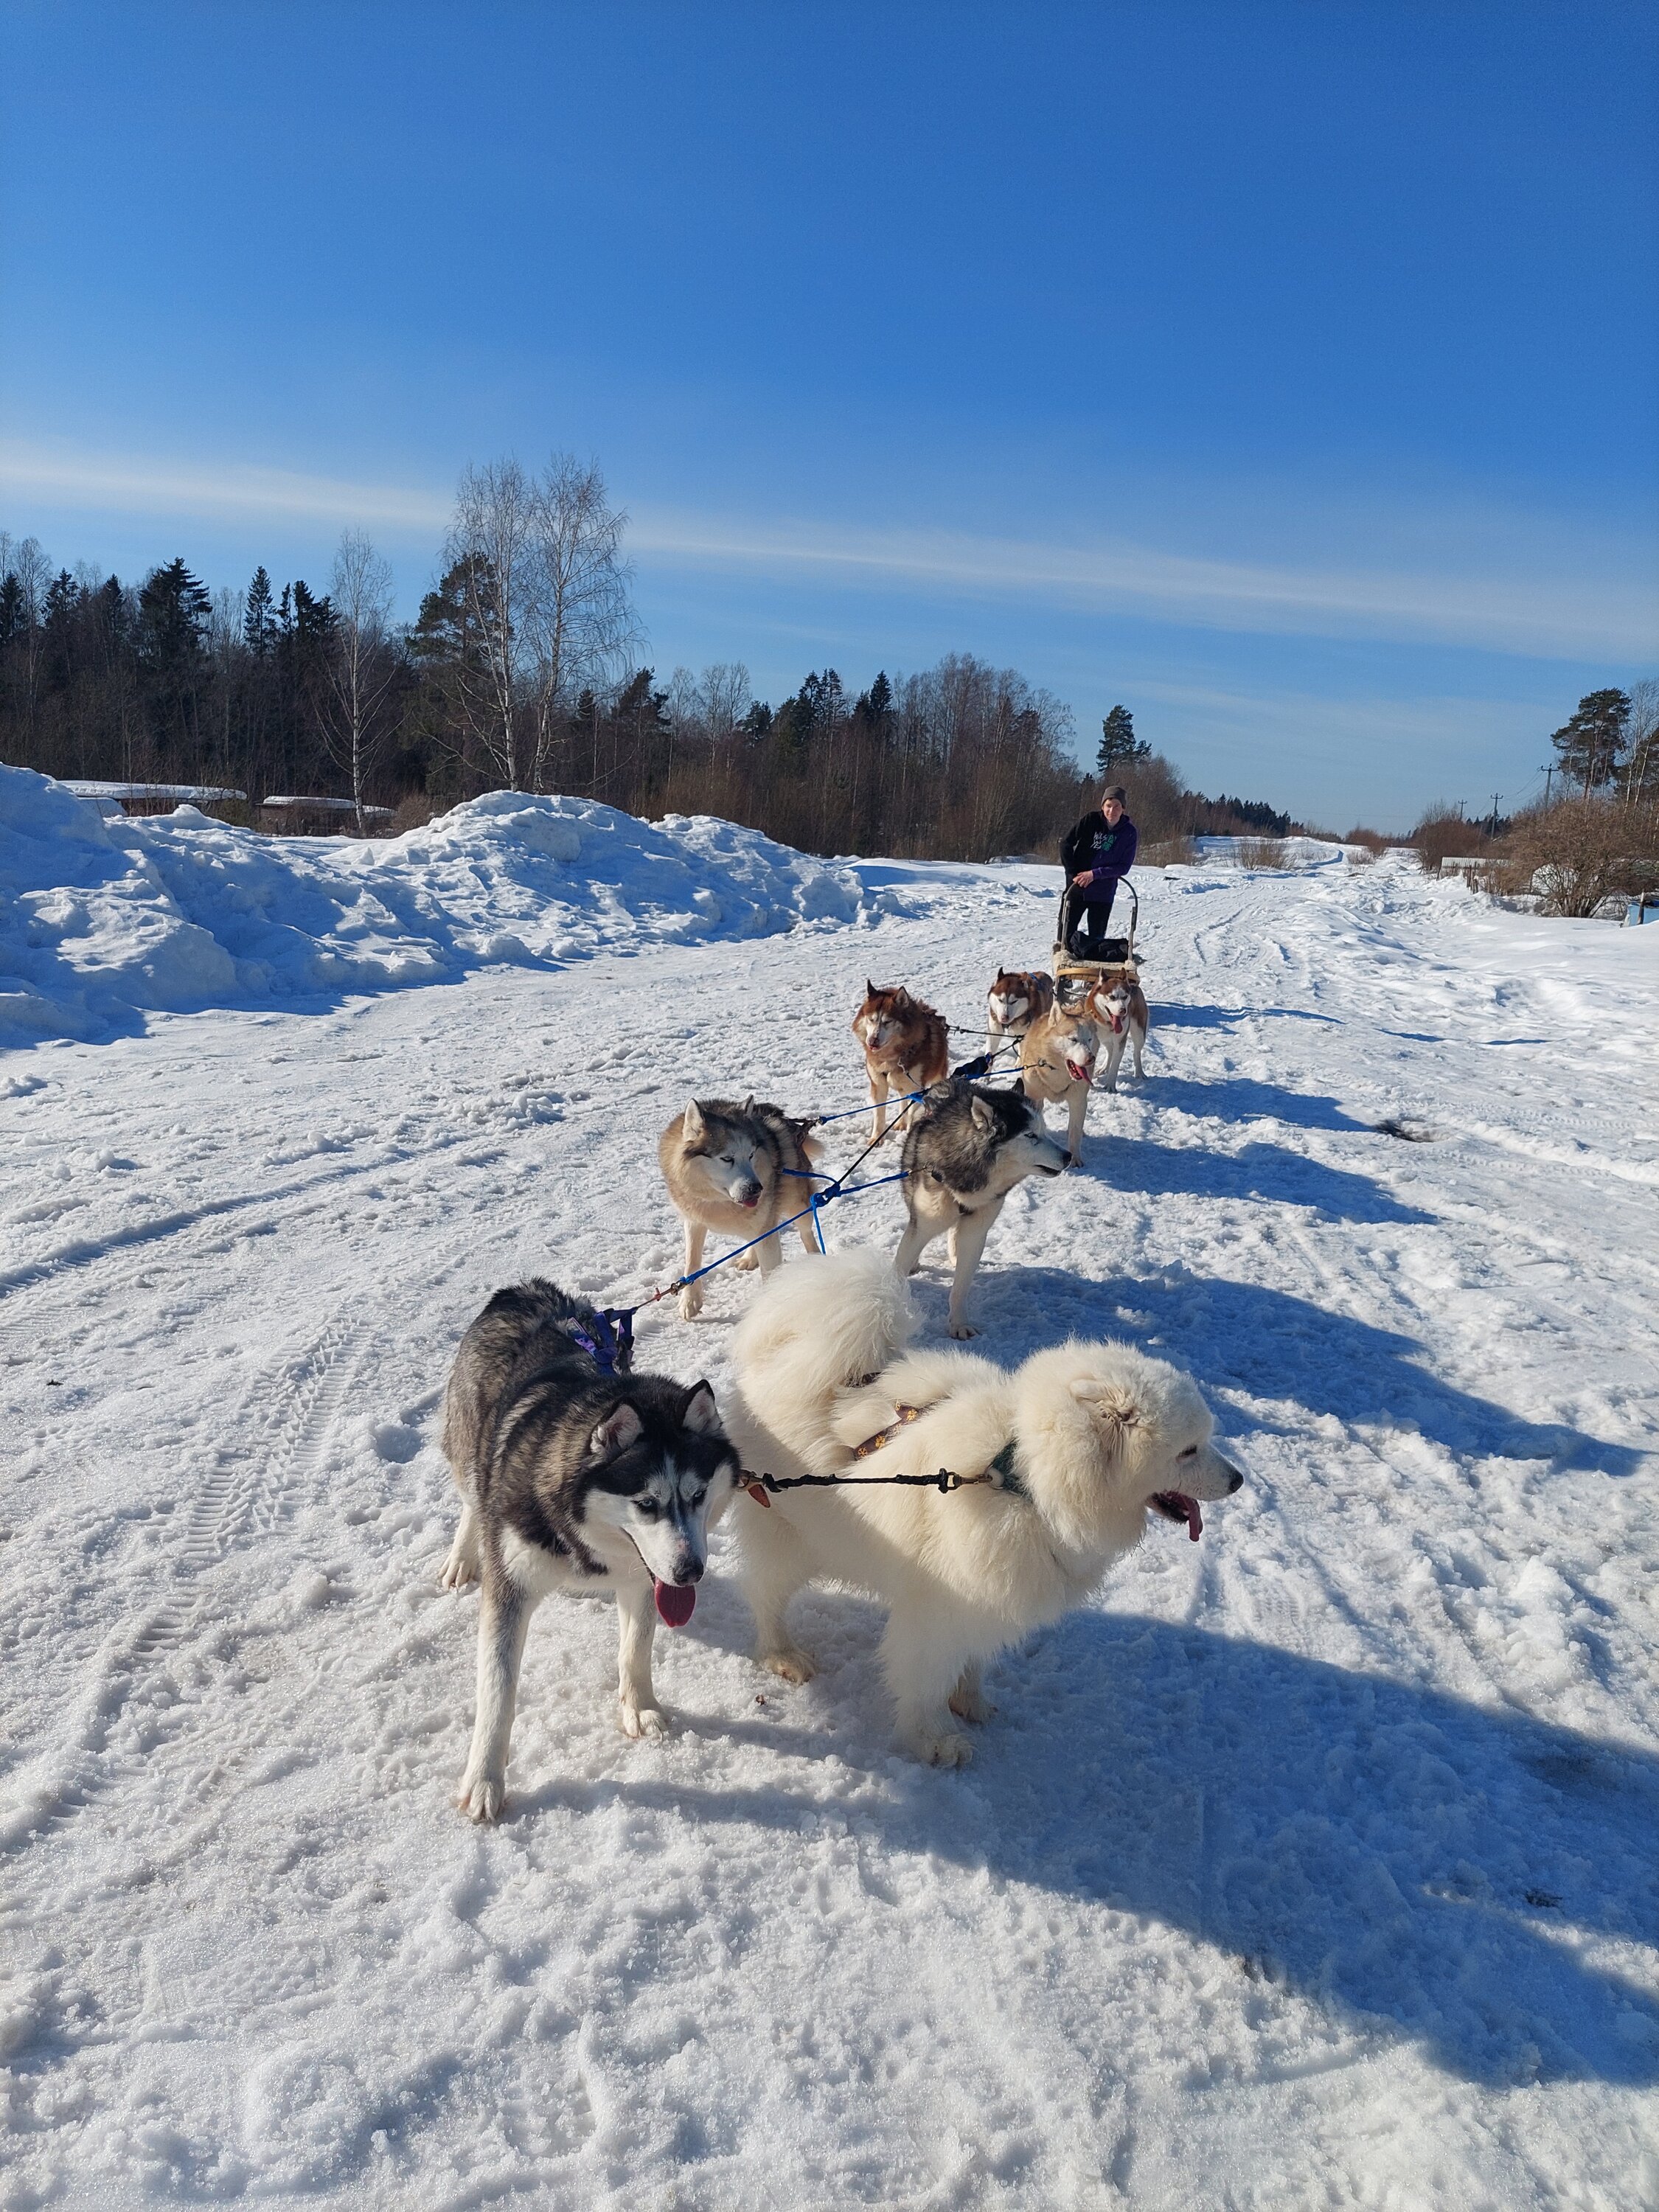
{"x":813,"y":1331}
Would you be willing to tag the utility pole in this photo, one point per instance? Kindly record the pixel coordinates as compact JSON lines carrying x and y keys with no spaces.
{"x":1549,"y":770}
{"x":1493,"y":832}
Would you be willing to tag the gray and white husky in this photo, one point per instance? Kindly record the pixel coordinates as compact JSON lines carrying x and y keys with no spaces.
{"x":572,"y":1476}
{"x":966,"y":1148}
{"x":738,"y":1169}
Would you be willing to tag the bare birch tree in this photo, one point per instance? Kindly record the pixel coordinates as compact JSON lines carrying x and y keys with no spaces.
{"x":547,"y":592}
{"x":489,"y":551}
{"x":581,"y":625}
{"x":361,"y":668}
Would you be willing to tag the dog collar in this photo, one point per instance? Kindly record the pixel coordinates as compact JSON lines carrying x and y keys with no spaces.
{"x":1001,"y":1469}
{"x":1003,"y":1465}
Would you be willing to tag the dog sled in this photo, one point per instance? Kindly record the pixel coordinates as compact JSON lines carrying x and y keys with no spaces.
{"x":1116,"y":961}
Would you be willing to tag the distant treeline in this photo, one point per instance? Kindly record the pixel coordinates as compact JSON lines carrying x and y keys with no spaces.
{"x":522,"y":671}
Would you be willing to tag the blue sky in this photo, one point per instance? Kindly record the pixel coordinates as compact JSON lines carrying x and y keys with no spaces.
{"x":1285,"y":371}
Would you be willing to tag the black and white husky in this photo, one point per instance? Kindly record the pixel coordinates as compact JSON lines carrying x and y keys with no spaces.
{"x":571,"y":1475}
{"x":966,"y":1148}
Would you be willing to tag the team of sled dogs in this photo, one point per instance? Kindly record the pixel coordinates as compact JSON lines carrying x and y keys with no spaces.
{"x":574,"y":1473}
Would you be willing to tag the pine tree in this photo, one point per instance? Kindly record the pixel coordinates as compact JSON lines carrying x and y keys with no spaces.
{"x":1119,"y":745}
{"x":173,"y":612}
{"x":174,"y":609}
{"x":259,"y":622}
{"x":63,"y":602}
{"x":1589,"y":745}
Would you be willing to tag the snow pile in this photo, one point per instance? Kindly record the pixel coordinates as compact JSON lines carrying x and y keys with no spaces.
{"x":103,"y":922}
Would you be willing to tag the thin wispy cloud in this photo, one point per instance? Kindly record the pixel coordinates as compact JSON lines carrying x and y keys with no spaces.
{"x":1578,"y":615}
{"x":115,"y":484}
{"x":1571,"y":617}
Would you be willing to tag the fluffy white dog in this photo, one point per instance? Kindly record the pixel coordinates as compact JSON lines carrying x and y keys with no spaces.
{"x":1079,"y":1445}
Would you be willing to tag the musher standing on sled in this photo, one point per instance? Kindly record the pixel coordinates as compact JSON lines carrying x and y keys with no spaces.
{"x":1096,"y":856}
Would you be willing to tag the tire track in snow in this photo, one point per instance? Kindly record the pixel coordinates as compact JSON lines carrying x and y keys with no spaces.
{"x":246,"y":1491}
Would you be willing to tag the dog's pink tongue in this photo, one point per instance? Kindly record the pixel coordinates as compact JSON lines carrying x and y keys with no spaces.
{"x":1194,"y":1520}
{"x":677,"y":1601}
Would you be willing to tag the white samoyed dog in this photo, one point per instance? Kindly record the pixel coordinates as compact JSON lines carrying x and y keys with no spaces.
{"x":1078,"y":1446}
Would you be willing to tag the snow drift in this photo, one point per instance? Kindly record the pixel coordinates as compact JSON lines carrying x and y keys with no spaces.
{"x":102,"y":921}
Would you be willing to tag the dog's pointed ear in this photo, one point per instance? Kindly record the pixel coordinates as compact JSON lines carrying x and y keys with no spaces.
{"x":691,"y":1122}
{"x":870,"y":991}
{"x":982,"y":1115}
{"x":699,"y":1413}
{"x":749,"y":1103}
{"x":616,"y":1432}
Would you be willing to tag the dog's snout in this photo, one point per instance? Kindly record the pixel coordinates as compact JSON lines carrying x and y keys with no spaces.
{"x":1235,"y":1480}
{"x":690,"y":1570}
{"x":748,"y":1192}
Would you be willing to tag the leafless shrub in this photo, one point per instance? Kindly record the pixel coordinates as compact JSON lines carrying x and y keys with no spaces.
{"x":1168,"y":853}
{"x":1373,"y":840}
{"x":1359,"y":856}
{"x":414,"y":811}
{"x":1442,"y":835}
{"x":1261,"y":853}
{"x":1584,"y":850}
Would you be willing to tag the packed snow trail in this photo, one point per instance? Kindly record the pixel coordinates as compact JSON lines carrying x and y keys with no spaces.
{"x":1313,"y":1863}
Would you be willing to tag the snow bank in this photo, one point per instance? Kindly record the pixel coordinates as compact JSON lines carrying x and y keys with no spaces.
{"x":102,"y":921}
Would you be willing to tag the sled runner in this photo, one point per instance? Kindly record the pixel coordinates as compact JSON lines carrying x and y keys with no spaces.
{"x":1116,"y":962}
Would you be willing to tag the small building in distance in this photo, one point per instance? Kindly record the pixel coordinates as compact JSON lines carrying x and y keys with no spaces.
{"x":290,"y":817}
{"x":114,"y":798}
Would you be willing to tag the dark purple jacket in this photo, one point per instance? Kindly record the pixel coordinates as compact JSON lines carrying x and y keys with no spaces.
{"x":1106,"y":852}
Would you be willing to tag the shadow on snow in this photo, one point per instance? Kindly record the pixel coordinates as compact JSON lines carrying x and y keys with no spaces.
{"x":1409,"y":1863}
{"x":1275,"y":1346}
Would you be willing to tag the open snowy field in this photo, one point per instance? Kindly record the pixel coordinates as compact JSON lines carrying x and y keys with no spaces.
{"x":1313,"y":1864}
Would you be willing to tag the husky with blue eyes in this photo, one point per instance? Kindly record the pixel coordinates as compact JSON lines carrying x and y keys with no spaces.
{"x":573,"y":1475}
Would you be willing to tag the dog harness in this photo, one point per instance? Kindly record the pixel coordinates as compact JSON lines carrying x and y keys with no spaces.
{"x":1002,"y":1467}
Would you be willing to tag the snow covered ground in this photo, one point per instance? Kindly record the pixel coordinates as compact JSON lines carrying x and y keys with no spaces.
{"x":1313,"y":1864}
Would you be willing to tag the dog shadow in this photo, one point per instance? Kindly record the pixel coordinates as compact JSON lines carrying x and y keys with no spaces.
{"x":1175,"y":1017}
{"x":1276,"y":1345}
{"x":1271,"y":1173}
{"x":1420,"y":1869}
{"x":1243,"y":1098}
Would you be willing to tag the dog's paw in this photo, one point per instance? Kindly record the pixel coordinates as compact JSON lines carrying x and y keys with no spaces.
{"x":642,"y":1721}
{"x":482,"y":1797}
{"x":941,"y":1747}
{"x":962,"y":1332}
{"x":746,"y":1260}
{"x":459,"y":1569}
{"x":691,"y":1302}
{"x":971,"y":1705}
{"x":790,"y":1665}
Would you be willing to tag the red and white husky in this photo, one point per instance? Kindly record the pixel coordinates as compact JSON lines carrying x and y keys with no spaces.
{"x":1120,"y":1014}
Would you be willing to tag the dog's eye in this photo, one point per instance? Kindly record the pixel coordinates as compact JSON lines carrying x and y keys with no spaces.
{"x":647,"y":1507}
{"x":692,"y":1503}
{"x":1191,"y":1452}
